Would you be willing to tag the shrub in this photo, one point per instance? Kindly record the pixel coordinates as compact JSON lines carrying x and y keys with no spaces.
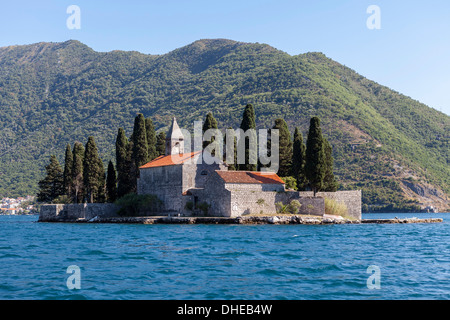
{"x":335,"y":208}
{"x":280,"y":207}
{"x":204,"y":207}
{"x":132,"y":204}
{"x":294,"y":207}
{"x":290,"y":182}
{"x":189,"y":206}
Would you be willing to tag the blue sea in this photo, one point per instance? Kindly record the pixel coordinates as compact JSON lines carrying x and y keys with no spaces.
{"x":250,"y":262}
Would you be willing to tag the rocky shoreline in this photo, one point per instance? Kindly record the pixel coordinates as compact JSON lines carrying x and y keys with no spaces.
{"x":249,"y":220}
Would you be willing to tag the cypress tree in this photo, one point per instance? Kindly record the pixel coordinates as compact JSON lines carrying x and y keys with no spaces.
{"x":329,"y":180}
{"x":210,"y":123}
{"x":151,"y":139}
{"x":111,"y":183}
{"x":92,"y":170}
{"x":315,"y":159}
{"x":248,"y":122}
{"x":231,"y":166}
{"x":52,"y":185}
{"x":140,"y":145}
{"x":123,"y":164}
{"x":77,"y":172}
{"x":100,"y":197}
{"x":161,"y":144}
{"x":285,"y":148}
{"x":68,"y":164}
{"x":299,"y":160}
{"x":130,"y":167}
{"x":139,"y":149}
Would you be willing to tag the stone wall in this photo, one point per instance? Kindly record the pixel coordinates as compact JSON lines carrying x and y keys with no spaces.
{"x":352,"y":199}
{"x":249,"y":201}
{"x":214,"y":194}
{"x":76,"y":212}
{"x":164,"y":182}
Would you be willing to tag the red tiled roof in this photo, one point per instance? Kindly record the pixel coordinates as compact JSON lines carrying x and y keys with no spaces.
{"x":170,"y":160}
{"x":250,"y":177}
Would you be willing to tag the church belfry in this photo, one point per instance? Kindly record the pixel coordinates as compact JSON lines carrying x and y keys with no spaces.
{"x":174,"y":139}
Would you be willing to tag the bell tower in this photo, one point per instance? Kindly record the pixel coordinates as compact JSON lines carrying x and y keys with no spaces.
{"x":174,"y":139}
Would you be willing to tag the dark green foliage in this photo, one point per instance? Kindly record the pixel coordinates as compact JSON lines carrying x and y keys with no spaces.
{"x":299,"y":160}
{"x":101,"y":193}
{"x":140,"y":146}
{"x":130,"y":167}
{"x":210,"y":123}
{"x":139,"y":154}
{"x":315,"y":159}
{"x":161,"y":144}
{"x":151,"y":139}
{"x":67,"y":176}
{"x":93,"y":173}
{"x":285,"y":148}
{"x":231,"y":166}
{"x":111,"y":183}
{"x":189,"y":206}
{"x":77,"y":172}
{"x":329,"y":181}
{"x":133,"y":205}
{"x":248,"y":122}
{"x":124,"y":164}
{"x":204,"y":208}
{"x":248,"y":118}
{"x":52,"y":185}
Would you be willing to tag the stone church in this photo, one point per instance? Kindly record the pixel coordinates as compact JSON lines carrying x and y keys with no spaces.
{"x":187,"y":186}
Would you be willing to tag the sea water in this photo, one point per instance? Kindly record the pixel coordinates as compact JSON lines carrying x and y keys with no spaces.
{"x":126,"y":261}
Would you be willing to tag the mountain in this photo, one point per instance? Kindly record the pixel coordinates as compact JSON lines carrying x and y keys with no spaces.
{"x":392,"y":147}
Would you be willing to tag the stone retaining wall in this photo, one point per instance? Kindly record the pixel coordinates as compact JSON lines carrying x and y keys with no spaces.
{"x":75,"y":212}
{"x":352,"y":199}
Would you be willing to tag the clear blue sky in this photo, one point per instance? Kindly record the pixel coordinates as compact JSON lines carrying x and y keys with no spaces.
{"x":410,"y":53}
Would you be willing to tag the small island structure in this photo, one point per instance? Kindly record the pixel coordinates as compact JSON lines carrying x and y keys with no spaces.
{"x":184,"y":189}
{"x":186,"y":186}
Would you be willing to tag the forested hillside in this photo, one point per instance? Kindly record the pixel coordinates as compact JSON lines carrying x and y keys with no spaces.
{"x":392,"y":147}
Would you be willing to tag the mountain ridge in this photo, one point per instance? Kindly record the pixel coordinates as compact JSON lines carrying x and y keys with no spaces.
{"x":72,"y":91}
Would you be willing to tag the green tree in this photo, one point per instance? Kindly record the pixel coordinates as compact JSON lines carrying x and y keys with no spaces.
{"x":111,"y":183}
{"x":123,"y":162}
{"x":77,"y":172}
{"x":52,"y":186}
{"x":151,"y":139}
{"x":210,"y":123}
{"x":231,"y":166}
{"x":329,"y":180}
{"x":315,"y":159}
{"x":92,"y":171}
{"x":140,"y":145}
{"x":68,"y":164}
{"x":139,"y":148}
{"x":299,"y":160}
{"x":285,"y":148}
{"x":100,"y":197}
{"x":161,"y":144}
{"x":248,"y":122}
{"x":130,"y":166}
